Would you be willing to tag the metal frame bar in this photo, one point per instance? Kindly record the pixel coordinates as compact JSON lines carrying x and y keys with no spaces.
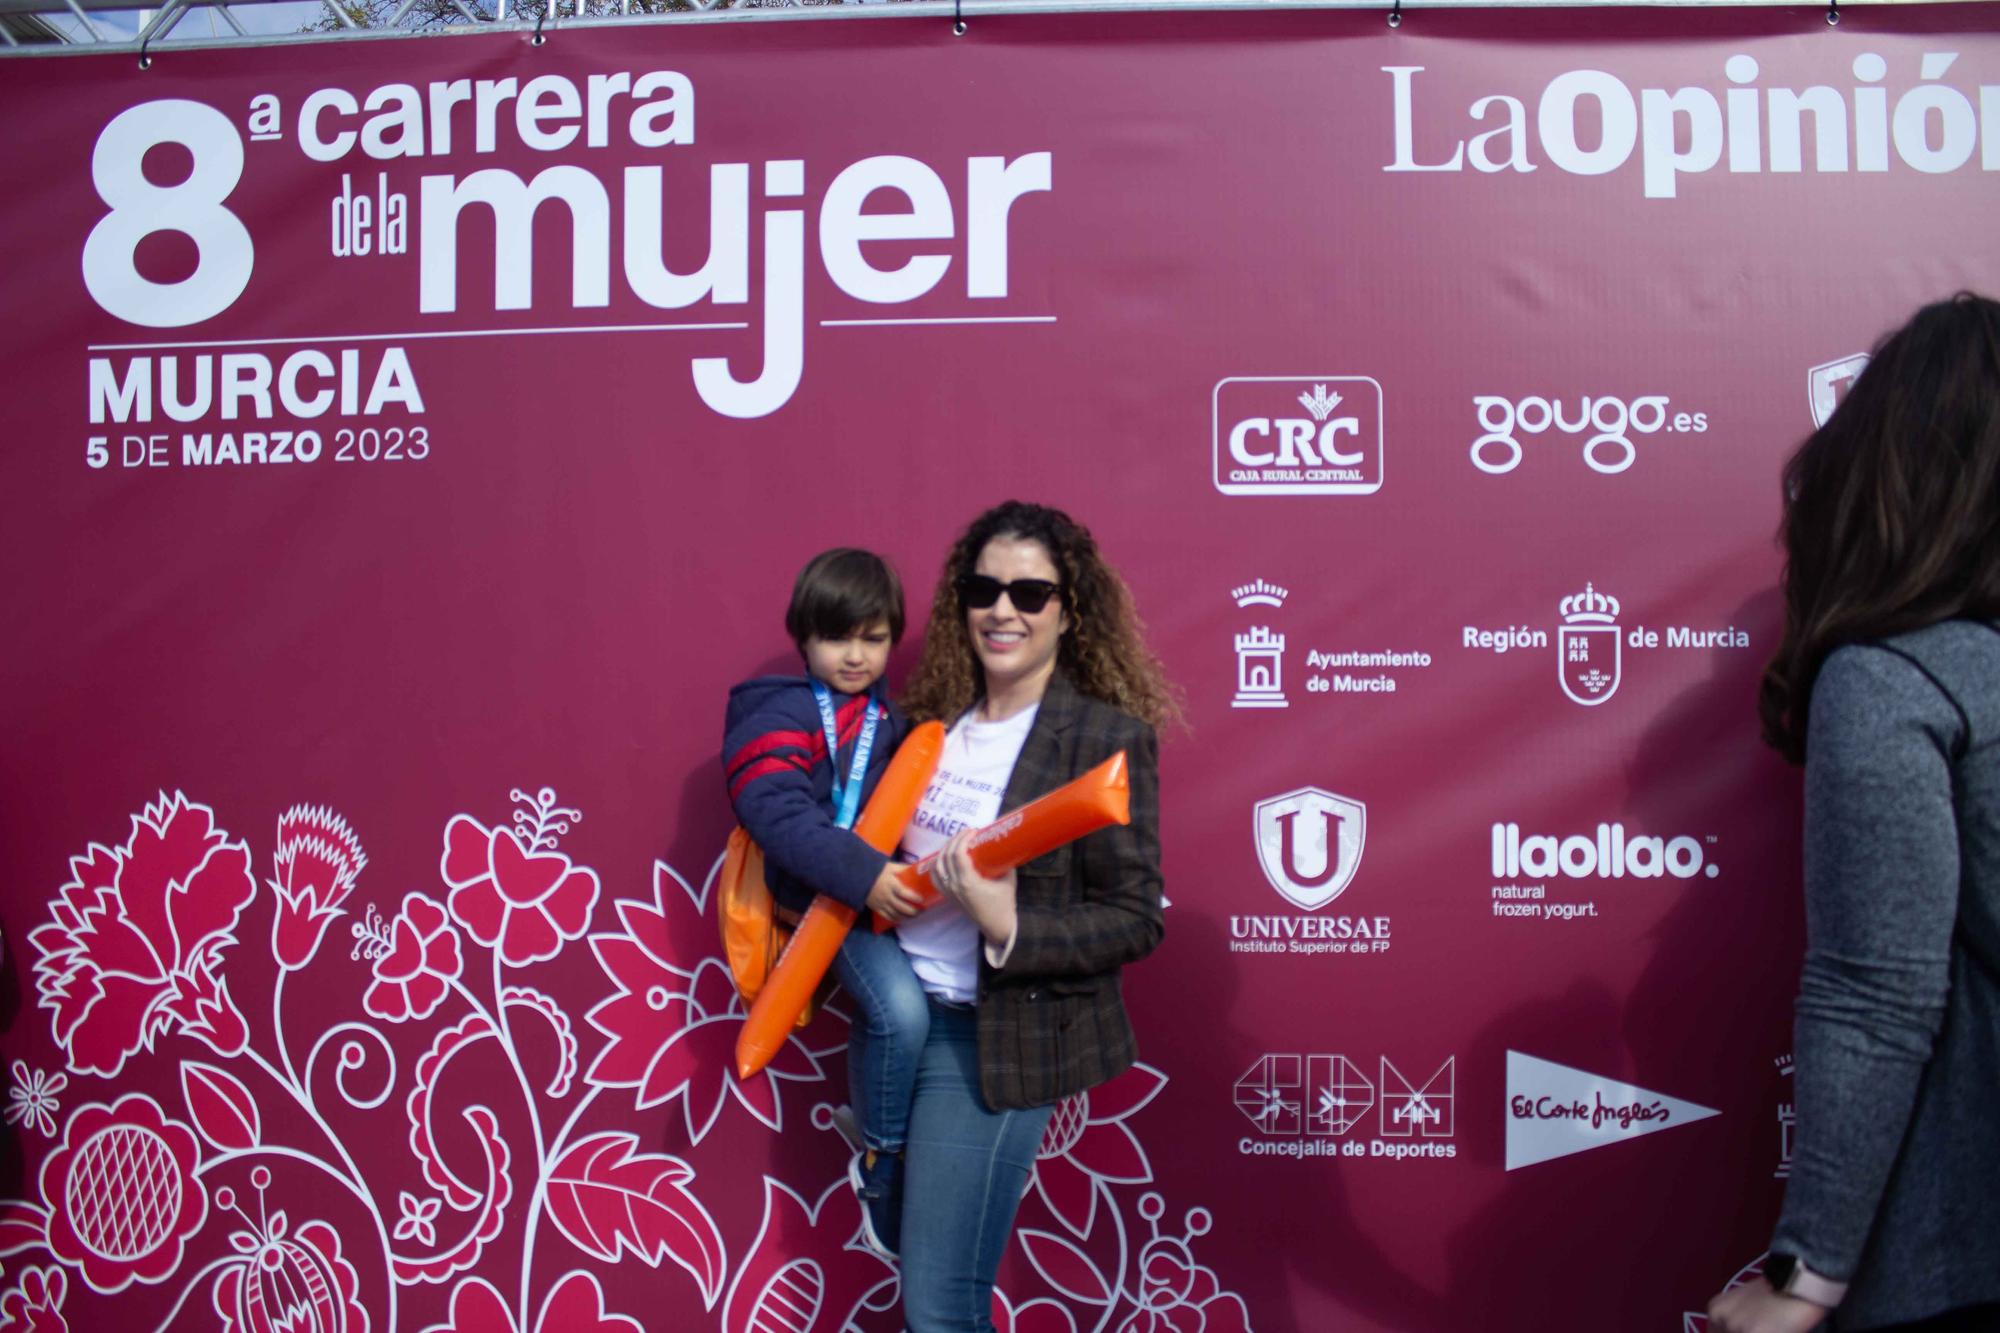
{"x":84,"y":18}
{"x":168,"y":18}
{"x":161,"y":24}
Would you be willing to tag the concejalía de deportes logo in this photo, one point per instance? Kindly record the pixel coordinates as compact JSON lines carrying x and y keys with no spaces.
{"x":1308,"y":1105}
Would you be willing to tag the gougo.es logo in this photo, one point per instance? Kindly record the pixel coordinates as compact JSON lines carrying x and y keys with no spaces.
{"x":1604,"y":423}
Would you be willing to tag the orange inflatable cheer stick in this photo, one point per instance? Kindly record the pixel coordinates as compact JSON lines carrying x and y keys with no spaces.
{"x":1100,"y":797}
{"x":805,"y":960}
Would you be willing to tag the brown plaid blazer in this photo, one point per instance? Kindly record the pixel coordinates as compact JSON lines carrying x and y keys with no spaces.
{"x":1052,"y":1021}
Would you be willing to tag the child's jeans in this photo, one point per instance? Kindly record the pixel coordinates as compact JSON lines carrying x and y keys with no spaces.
{"x":886,"y":1039}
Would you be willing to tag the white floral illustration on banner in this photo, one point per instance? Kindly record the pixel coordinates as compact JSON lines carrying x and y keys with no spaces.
{"x":34,"y":1100}
{"x":420,"y":1139}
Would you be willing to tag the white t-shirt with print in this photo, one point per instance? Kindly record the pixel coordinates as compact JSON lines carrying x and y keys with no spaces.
{"x":942,"y":942}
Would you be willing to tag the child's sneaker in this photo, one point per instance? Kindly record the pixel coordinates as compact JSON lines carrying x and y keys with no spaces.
{"x":877,"y":1178}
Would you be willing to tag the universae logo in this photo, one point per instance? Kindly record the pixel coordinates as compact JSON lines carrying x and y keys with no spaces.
{"x":1827,"y":385}
{"x":1309,"y":844}
{"x":1298,"y":435}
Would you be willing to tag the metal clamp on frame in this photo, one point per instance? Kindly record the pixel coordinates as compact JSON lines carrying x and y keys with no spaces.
{"x":161,"y":24}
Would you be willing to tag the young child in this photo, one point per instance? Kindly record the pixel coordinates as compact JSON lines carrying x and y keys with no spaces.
{"x":801,"y":755}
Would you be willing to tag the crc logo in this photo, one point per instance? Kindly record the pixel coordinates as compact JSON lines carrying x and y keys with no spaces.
{"x":1827,"y":385}
{"x":1588,"y":655}
{"x":1298,"y":435}
{"x":1309,"y":844}
{"x":1609,"y":423}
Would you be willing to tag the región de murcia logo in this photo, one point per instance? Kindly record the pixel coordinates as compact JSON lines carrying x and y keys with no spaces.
{"x":1587,"y":647}
{"x":1591,"y":643}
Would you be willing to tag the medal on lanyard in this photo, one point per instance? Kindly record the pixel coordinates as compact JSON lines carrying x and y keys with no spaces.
{"x":846,"y":795}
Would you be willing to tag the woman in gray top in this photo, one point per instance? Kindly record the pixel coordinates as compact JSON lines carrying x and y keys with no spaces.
{"x":1887,"y":688}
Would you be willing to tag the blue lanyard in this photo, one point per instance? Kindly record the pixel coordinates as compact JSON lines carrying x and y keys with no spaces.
{"x":846,"y":795}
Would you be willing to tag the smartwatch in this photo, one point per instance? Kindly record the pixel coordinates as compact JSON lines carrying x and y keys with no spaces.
{"x":1789,"y":1276}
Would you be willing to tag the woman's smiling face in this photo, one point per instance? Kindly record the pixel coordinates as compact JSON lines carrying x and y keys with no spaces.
{"x":1013,"y":647}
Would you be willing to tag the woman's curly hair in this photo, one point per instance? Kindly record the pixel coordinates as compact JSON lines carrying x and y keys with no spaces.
{"x":1103,"y":652}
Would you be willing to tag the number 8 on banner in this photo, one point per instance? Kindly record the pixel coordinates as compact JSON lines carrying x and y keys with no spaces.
{"x":194,"y":207}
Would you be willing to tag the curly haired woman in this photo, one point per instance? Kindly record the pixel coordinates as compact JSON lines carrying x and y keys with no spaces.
{"x":1036,"y":660}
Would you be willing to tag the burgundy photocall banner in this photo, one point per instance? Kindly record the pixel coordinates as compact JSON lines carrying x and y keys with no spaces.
{"x":410,"y":440}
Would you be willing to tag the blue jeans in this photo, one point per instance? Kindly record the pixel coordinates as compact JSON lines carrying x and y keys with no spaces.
{"x":963,"y":1174}
{"x":884,"y":1042}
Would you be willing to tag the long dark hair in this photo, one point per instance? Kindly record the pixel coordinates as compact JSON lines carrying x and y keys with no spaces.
{"x":1103,"y":651}
{"x":1892,"y":508}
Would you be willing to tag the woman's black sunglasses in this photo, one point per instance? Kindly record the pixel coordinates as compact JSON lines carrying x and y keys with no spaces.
{"x":979,"y":591}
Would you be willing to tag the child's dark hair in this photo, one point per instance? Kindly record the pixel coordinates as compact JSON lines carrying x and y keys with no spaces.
{"x":841,"y":591}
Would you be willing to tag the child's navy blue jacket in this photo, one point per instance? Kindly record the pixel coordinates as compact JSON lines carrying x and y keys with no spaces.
{"x":781,"y":783}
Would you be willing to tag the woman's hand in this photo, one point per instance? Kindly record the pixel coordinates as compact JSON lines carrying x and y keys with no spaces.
{"x":989,"y":902}
{"x":1756,"y":1308}
{"x":891,"y":898}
